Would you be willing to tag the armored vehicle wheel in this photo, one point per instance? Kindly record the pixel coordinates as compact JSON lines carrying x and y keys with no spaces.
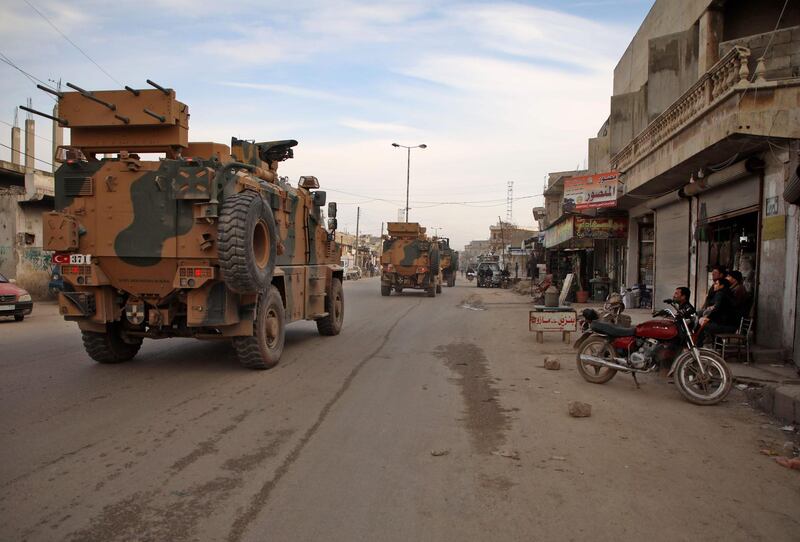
{"x":431,"y":291}
{"x":334,"y":306}
{"x":386,"y":290}
{"x":109,"y":347}
{"x":438,"y":288}
{"x":398,"y":289}
{"x":247,"y":243}
{"x":19,"y":317}
{"x":263,"y":349}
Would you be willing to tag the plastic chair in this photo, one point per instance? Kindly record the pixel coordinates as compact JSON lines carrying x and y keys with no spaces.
{"x":728,"y":342}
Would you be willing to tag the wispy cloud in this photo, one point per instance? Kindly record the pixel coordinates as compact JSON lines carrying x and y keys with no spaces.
{"x":291,"y":90}
{"x":376,"y":127}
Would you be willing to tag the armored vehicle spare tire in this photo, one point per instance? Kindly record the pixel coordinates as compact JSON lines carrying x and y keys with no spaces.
{"x":247,"y":242}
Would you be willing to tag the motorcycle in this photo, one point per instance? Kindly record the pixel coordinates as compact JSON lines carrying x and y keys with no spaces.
{"x":701,"y":375}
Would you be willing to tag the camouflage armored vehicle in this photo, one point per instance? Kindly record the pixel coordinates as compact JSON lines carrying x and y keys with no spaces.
{"x":448,"y":261}
{"x":206,"y":242}
{"x":409,"y":260}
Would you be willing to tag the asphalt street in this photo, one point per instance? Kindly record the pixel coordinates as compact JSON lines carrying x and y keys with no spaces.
{"x":426,"y":419}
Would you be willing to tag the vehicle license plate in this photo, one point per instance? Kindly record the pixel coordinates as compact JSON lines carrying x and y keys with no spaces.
{"x":6,"y":307}
{"x":80,"y":259}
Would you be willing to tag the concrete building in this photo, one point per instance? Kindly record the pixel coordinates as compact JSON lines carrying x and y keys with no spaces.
{"x":703,"y":128}
{"x":472,"y":251}
{"x":26,"y":194}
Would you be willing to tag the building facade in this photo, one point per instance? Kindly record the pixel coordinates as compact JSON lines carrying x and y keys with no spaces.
{"x":703,"y":129}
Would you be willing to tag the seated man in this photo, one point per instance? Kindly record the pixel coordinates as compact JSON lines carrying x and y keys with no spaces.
{"x":681,"y":296}
{"x":741,"y":299}
{"x":717,"y":272}
{"x":722,"y":316}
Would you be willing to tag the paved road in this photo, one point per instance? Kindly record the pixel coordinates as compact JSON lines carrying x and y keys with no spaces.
{"x":337,"y":443}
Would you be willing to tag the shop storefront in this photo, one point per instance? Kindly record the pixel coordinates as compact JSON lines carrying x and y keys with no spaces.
{"x":727,"y":232}
{"x":591,"y":248}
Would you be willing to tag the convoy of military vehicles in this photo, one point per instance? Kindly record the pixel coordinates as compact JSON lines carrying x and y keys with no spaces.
{"x":410,"y":259}
{"x":206,"y":241}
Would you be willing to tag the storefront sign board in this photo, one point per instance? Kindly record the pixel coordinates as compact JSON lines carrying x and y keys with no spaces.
{"x":553,"y":320}
{"x":601,"y":227}
{"x":591,"y":191}
{"x":774,"y":227}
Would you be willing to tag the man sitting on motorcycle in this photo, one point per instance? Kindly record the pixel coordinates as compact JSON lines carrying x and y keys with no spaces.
{"x":681,"y":296}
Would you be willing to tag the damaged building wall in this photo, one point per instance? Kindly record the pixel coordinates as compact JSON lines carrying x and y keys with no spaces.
{"x":9,"y":196}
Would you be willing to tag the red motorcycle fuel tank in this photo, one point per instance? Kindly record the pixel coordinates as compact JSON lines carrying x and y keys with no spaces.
{"x":662,"y":330}
{"x":624,"y":343}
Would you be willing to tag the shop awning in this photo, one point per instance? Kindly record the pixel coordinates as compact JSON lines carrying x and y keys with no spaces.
{"x":576,"y":231}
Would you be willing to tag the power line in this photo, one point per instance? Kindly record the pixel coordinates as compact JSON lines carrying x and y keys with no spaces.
{"x":33,"y":79}
{"x":25,"y":131}
{"x":476,"y":204}
{"x":42,"y":15}
{"x":26,"y":154}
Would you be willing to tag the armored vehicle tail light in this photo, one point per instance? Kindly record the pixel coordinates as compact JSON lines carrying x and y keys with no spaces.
{"x":189,"y":275}
{"x":421,"y":270}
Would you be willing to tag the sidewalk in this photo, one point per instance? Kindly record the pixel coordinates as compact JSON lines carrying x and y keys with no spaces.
{"x":771,"y":387}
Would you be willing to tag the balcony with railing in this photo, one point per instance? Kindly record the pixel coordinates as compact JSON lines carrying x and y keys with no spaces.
{"x":732,"y":108}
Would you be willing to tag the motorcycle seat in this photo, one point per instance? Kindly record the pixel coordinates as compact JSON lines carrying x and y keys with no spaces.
{"x":613,"y":330}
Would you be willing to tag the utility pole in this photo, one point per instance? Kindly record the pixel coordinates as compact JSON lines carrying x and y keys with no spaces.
{"x":358,"y":218}
{"x":503,"y":238}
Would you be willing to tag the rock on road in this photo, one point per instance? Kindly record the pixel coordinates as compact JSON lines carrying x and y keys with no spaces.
{"x":424,"y":420}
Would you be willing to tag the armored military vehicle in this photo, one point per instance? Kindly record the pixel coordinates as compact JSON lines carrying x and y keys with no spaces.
{"x":207,"y":241}
{"x":448,"y":261}
{"x":409,"y":260}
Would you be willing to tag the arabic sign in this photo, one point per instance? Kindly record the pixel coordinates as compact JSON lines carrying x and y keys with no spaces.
{"x":563,"y":231}
{"x":591,"y":191}
{"x":606,"y":227}
{"x":553,"y":321}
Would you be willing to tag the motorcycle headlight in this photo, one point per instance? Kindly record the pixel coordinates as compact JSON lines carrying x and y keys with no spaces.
{"x":24,"y":297}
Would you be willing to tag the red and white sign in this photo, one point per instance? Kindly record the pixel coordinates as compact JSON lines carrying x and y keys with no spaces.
{"x":591,"y":191}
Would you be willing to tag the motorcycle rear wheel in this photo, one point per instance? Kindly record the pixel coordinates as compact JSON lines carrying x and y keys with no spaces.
{"x":598,"y":347}
{"x":699,"y":390}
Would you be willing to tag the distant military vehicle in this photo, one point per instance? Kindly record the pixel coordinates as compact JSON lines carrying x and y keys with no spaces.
{"x":448,"y":261}
{"x":409,"y":260}
{"x":206,"y":242}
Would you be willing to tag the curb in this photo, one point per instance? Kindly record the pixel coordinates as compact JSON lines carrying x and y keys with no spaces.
{"x":781,"y":401}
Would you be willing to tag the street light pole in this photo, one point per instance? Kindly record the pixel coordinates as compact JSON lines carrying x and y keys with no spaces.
{"x":408,"y":180}
{"x":408,"y":167}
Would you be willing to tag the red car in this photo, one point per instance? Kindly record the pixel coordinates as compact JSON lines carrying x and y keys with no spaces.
{"x":14,"y":301}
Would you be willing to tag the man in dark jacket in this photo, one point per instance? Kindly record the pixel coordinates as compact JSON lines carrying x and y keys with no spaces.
{"x":717,"y":272}
{"x":741,"y":299}
{"x":722,"y":316}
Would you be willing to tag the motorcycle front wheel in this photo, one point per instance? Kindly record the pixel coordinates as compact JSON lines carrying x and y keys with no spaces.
{"x":597,"y":347}
{"x":699,"y":389}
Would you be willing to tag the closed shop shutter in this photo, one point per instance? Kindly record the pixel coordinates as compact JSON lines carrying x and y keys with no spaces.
{"x":729,"y":198}
{"x":672,"y":250}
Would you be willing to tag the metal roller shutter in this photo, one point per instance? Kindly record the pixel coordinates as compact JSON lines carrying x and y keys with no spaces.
{"x":672,"y":250}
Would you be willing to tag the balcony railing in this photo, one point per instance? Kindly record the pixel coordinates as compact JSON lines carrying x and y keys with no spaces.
{"x":730,"y":73}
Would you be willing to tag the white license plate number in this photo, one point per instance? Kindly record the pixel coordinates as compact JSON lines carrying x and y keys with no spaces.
{"x":6,"y":307}
{"x":80,"y":259}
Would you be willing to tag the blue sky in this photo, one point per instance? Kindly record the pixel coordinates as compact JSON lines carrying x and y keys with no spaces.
{"x":499,"y":91}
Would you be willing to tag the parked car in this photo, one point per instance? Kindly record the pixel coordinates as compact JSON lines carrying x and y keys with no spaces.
{"x":14,"y":301}
{"x":352,"y":273}
{"x":57,"y":283}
